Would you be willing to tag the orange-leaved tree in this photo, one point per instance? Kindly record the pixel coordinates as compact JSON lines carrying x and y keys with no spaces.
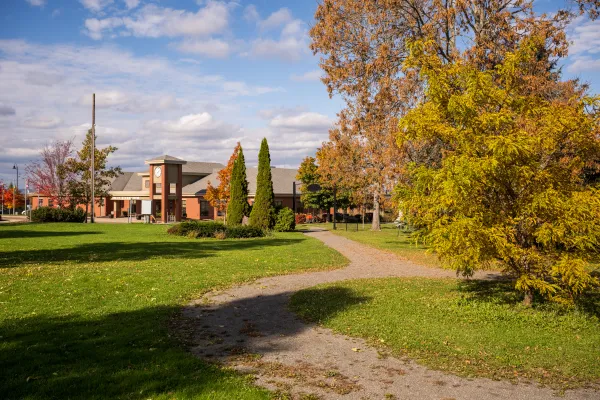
{"x":219,"y":196}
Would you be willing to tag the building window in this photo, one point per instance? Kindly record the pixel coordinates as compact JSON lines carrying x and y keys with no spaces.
{"x":278,"y":203}
{"x":204,"y":211}
{"x":146,"y":183}
{"x":40,"y":202}
{"x":184,"y":208}
{"x":50,"y":203}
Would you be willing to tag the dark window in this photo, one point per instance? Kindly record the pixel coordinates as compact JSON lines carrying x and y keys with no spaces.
{"x":204,"y":208}
{"x":40,"y":202}
{"x":50,"y":203}
{"x":278,"y":203}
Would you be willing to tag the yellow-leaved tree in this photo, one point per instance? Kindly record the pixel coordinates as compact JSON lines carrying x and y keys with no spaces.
{"x":514,"y":185}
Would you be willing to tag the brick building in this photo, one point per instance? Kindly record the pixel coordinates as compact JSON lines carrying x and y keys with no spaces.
{"x":185,"y":183}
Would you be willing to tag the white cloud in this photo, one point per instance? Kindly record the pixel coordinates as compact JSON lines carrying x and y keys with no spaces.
{"x":291,"y":44}
{"x":42,"y":78}
{"x":95,"y":5}
{"x":584,"y":52}
{"x":309,"y":76}
{"x":251,"y":14}
{"x":237,"y":88}
{"x":307,"y":121}
{"x":196,"y":125}
{"x":96,"y":27}
{"x":276,"y":19}
{"x":215,"y":48}
{"x":42,"y":122}
{"x":154,"y":21}
{"x":37,"y":3}
{"x":130,"y":4}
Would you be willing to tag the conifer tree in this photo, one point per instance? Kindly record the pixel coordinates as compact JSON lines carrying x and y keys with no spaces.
{"x":237,"y":207}
{"x":263,"y":212}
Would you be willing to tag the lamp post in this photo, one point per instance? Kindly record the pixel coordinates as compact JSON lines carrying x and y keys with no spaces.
{"x":17,"y":189}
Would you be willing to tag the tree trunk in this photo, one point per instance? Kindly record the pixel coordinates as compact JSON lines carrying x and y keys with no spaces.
{"x":528,"y":299}
{"x":363,"y":216}
{"x":86,"y":211}
{"x":375,"y":226}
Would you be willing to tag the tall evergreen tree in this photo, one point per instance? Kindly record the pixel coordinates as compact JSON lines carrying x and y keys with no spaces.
{"x":263,"y":211}
{"x":237,"y":207}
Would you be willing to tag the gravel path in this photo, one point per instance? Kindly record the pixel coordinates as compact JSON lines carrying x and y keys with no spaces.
{"x":250,"y":329}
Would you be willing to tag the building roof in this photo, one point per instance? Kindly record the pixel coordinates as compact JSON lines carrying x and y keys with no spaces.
{"x":126,"y":182}
{"x":283,"y":179}
{"x":201,"y":168}
{"x":165,"y":159}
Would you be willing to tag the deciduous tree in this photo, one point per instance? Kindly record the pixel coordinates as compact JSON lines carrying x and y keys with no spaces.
{"x":237,"y":207}
{"x":219,"y":196}
{"x":322,"y":199}
{"x":13,"y":198}
{"x":47,"y":175}
{"x":80,"y":175}
{"x":511,"y":188}
{"x":263,"y":209}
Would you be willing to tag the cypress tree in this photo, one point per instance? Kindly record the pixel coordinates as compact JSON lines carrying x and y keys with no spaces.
{"x":263,"y":212}
{"x":238,"y":192}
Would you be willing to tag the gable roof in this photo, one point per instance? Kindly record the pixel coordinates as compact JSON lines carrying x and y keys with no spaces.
{"x":165,"y":159}
{"x":283,"y":179}
{"x":126,"y":182}
{"x":195,"y":167}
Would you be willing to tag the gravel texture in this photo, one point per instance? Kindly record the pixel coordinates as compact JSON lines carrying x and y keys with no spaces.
{"x":250,"y":329}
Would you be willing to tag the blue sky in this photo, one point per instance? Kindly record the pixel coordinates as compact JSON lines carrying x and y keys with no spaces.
{"x":185,"y":77}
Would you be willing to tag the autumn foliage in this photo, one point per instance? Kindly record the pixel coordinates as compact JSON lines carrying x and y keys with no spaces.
{"x":510,"y":190}
{"x":218,"y":197}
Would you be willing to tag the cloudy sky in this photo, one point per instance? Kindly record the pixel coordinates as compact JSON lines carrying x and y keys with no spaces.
{"x":188,"y":78}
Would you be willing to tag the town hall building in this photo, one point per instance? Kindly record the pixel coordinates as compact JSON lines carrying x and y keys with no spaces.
{"x":177,"y":188}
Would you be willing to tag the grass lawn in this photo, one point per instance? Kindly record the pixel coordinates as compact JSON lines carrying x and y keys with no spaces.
{"x":85,"y":309}
{"x":468,"y":328}
{"x":388,"y":239}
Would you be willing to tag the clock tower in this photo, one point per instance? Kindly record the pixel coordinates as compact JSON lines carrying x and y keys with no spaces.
{"x":166,"y":186}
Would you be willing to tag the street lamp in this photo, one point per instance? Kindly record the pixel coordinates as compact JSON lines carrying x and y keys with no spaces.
{"x":17,"y":189}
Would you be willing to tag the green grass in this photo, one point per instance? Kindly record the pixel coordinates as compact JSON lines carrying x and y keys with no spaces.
{"x":471,"y":328}
{"x":389,"y":239}
{"x":85,"y":309}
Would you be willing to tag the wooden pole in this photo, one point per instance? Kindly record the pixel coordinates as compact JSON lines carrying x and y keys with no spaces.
{"x":93,"y":155}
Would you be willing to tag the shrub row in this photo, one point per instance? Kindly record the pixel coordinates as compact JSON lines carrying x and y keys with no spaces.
{"x":210,"y":229}
{"x":50,"y":214}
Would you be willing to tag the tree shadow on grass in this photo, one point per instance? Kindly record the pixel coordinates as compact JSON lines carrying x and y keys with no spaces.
{"x":138,"y":251}
{"x":502,"y":291}
{"x":21,"y":233}
{"x":123,"y":355}
{"x":135,"y":355}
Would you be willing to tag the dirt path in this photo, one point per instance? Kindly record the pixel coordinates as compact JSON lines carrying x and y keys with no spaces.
{"x":250,"y":329}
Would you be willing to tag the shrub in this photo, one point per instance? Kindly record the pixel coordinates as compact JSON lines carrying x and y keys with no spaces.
{"x":285,"y":220}
{"x":210,"y":229}
{"x":242,"y":232}
{"x":300,"y":219}
{"x":49,"y":214}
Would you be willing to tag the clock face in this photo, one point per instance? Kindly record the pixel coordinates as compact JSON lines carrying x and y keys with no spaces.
{"x":157,"y":172}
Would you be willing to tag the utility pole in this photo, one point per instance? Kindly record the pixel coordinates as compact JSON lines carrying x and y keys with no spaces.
{"x":93,"y":157}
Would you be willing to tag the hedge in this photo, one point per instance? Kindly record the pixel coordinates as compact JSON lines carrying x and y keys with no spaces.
{"x":50,"y":214}
{"x":209,"y":229}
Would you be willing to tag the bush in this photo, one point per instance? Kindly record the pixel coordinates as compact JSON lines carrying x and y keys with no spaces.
{"x":244,"y":231}
{"x":210,"y":229}
{"x":285,"y":221}
{"x":49,"y":214}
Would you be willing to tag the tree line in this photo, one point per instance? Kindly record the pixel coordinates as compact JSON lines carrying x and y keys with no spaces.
{"x":459,"y":108}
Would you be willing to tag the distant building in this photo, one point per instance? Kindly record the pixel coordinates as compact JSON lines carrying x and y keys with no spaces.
{"x":186,"y":183}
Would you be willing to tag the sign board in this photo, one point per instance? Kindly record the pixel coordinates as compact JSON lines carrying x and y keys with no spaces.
{"x":314,"y":187}
{"x":147,"y":207}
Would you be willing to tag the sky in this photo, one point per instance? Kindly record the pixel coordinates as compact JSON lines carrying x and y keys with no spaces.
{"x":188,"y":78}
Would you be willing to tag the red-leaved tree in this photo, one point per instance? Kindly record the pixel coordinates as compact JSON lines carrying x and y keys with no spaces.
{"x":47,"y":175}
